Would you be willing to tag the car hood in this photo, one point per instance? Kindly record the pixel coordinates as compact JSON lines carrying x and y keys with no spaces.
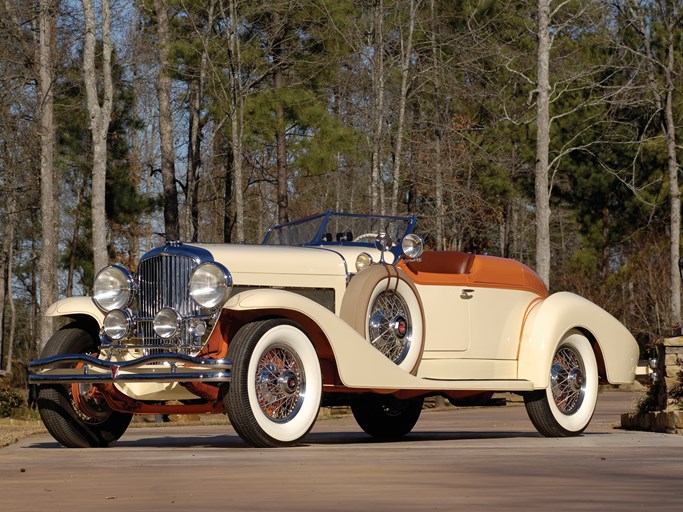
{"x":246,"y":262}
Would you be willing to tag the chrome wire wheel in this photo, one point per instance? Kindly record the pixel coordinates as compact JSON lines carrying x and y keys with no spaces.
{"x":273,"y":398}
{"x":389,"y":326}
{"x":280,"y":384}
{"x":567,"y":381}
{"x":565,"y":407}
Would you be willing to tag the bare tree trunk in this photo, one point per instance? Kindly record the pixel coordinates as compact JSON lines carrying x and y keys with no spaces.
{"x":136,"y":177}
{"x":48,"y":214}
{"x":6,"y":299}
{"x":665,"y":106}
{"x":6,"y":256}
{"x":674,"y":188}
{"x":228,"y":194}
{"x":80,"y":194}
{"x":406,"y":55}
{"x":166,"y":124}
{"x":194,"y":155}
{"x":411,"y":177}
{"x":376,"y":188}
{"x":438,"y":167}
{"x":193,"y":159}
{"x":281,"y":146}
{"x":221,"y":205}
{"x":439,"y":192}
{"x":99,"y":115}
{"x":280,"y":127}
{"x":236,"y":121}
{"x":543,"y":143}
{"x":10,"y":300}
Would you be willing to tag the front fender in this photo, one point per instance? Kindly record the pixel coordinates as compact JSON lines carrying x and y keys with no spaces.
{"x":74,"y":307}
{"x":359,"y":364}
{"x":550,"y":320}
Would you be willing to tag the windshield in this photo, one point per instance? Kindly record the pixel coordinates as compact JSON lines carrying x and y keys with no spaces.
{"x":334,"y":228}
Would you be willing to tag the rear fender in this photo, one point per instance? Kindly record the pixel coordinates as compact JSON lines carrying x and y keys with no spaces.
{"x":549,"y":322}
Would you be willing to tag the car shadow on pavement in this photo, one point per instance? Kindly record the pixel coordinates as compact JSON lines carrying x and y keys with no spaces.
{"x":313,"y":439}
{"x":361,"y":438}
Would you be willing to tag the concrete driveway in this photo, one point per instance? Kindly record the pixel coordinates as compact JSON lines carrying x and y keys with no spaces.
{"x":464,"y":459}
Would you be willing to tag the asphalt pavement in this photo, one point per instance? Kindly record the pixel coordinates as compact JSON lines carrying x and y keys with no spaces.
{"x":474,"y":459}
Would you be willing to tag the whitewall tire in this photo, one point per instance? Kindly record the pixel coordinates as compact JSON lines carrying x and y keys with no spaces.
{"x":274,"y":395}
{"x":566,"y":406}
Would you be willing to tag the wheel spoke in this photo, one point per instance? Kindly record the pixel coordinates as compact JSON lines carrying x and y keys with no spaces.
{"x":387,"y":311}
{"x":567,"y":380}
{"x":280,"y":384}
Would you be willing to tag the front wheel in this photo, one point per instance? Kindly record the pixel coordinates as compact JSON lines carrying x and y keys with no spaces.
{"x":274,"y":395}
{"x":386,"y":417}
{"x":566,"y":406}
{"x":70,"y":413}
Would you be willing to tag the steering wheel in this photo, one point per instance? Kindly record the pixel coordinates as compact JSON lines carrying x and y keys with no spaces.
{"x":369,"y":236}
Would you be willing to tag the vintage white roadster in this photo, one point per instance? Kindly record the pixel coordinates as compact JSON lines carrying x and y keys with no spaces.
{"x":333,"y":309}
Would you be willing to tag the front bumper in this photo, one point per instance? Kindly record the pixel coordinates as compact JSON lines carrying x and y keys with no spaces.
{"x":166,"y":367}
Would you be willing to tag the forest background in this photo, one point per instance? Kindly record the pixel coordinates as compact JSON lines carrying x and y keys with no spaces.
{"x":547,"y":131}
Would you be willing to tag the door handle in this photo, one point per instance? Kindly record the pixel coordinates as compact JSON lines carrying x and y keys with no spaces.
{"x":466,"y":293}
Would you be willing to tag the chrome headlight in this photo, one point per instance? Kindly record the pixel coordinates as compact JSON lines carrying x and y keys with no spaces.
{"x":412,"y":246}
{"x":117,"y":324}
{"x":113,"y":288}
{"x":363,"y":261}
{"x":210,"y":285}
{"x":167,"y":323}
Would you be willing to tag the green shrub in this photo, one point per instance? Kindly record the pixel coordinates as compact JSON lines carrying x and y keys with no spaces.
{"x":9,"y":400}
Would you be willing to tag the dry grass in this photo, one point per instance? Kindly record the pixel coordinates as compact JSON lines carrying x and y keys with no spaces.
{"x":12,"y":431}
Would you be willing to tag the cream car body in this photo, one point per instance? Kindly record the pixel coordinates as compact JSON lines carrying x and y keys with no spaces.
{"x":454,"y":324}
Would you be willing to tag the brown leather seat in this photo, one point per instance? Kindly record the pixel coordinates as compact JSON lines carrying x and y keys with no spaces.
{"x":442,"y":262}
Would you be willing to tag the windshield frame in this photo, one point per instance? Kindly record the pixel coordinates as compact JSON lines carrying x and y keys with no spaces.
{"x":313,"y":231}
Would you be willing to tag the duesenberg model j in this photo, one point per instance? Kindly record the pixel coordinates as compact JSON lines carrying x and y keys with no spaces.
{"x":333,"y":309}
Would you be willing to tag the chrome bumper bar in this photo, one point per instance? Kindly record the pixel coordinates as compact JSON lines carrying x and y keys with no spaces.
{"x":647,"y":371}
{"x":167,"y":367}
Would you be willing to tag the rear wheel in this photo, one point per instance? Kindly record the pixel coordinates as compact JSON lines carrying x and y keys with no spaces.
{"x":70,"y":413}
{"x":566,"y":406}
{"x":386,"y":417}
{"x":274,"y":395}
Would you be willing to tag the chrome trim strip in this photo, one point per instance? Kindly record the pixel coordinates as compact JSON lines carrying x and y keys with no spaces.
{"x":225,"y":376}
{"x":211,"y":370}
{"x":346,"y":265}
{"x":199,"y":255}
{"x":168,"y":357}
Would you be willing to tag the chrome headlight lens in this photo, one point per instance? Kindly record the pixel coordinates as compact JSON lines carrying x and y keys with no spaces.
{"x":113,"y":288}
{"x":412,"y":246}
{"x":210,"y":285}
{"x":117,"y":324}
{"x":167,"y":323}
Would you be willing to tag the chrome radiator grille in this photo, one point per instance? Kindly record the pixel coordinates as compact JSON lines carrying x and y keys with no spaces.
{"x":163,"y":282}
